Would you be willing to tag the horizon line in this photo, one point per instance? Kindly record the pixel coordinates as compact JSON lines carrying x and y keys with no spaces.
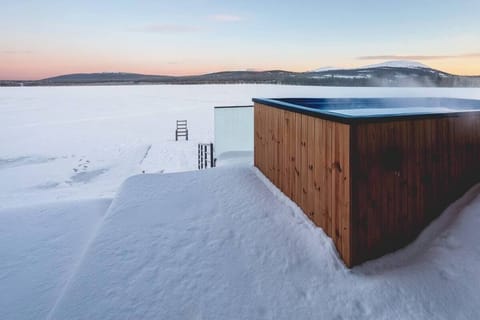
{"x":212,"y":72}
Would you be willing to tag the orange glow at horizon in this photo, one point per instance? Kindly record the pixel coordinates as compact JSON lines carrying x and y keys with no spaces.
{"x":41,"y":39}
{"x":30,"y":67}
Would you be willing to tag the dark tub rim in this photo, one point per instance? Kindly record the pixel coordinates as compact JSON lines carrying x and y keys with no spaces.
{"x":295,"y":105}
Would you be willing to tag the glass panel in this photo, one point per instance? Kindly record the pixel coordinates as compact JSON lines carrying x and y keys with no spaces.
{"x":233,"y":129}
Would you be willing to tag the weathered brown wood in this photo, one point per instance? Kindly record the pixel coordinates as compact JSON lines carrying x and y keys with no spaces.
{"x":288,"y":154}
{"x":319,"y":216}
{"x":310,"y":187}
{"x":297,"y":140}
{"x":304,"y":164}
{"x":293,"y":160}
{"x":372,"y":187}
{"x":315,"y":178}
{"x":432,"y":162}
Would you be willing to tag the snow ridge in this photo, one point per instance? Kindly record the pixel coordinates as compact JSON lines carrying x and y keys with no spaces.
{"x":159,"y":256}
{"x":397,"y":64}
{"x":409,"y":64}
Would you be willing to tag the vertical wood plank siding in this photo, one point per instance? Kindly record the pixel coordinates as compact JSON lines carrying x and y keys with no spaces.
{"x":404,"y":174}
{"x":308,"y":159}
{"x":372,"y":187}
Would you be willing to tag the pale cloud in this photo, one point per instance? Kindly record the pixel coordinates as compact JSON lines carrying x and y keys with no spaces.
{"x":226,"y":18}
{"x":420,"y":57}
{"x":167,"y":28}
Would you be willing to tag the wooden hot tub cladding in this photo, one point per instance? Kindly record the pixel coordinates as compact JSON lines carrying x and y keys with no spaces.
{"x":371,"y":183}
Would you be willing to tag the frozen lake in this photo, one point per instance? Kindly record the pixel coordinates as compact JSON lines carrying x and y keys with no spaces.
{"x":64,"y":143}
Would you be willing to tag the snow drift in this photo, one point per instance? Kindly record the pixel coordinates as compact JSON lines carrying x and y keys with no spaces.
{"x":226,"y":244}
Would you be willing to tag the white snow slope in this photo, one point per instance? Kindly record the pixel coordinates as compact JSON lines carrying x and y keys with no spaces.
{"x":397,"y":64}
{"x":39,"y":249}
{"x":218,"y":244}
{"x":225,"y":244}
{"x":389,"y":64}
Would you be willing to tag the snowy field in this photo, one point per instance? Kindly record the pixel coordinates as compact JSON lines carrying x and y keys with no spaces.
{"x":69,"y":143}
{"x":79,"y":239}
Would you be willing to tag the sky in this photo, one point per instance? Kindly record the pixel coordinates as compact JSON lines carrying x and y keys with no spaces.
{"x":39,"y":39}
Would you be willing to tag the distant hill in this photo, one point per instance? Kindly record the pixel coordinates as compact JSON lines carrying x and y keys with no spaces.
{"x":387,"y":64}
{"x":387,"y":74}
{"x":397,"y":64}
{"x":102,"y":77}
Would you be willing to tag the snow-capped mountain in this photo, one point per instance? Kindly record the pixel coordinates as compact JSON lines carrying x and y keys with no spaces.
{"x":387,"y":74}
{"x":409,"y":64}
{"x":327,"y":68}
{"x":397,"y":73}
{"x":397,"y":64}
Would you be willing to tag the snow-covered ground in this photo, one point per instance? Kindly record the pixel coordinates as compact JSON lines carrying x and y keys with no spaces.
{"x":224,"y":243}
{"x":40,"y":247}
{"x":217,"y":244}
{"x":68,"y":143}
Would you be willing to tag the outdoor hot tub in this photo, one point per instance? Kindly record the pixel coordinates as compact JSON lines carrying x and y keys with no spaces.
{"x":372,"y":173}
